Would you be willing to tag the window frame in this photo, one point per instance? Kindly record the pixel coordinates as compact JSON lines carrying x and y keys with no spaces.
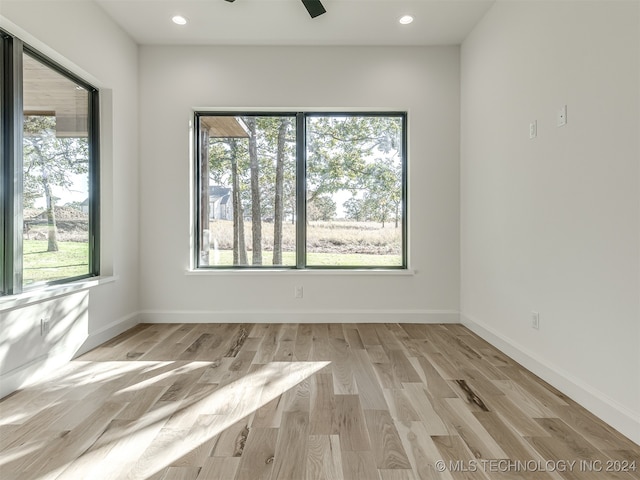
{"x":301,"y":181}
{"x":12,"y":50}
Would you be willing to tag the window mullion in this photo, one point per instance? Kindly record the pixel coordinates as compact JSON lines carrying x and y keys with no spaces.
{"x":197,"y":190}
{"x":94,"y":181}
{"x":12,"y":159}
{"x":301,"y":191}
{"x":405,"y":192}
{"x":4,"y":171}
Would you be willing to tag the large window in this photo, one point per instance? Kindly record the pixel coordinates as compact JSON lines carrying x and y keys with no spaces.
{"x":301,"y":190}
{"x":49,"y":172}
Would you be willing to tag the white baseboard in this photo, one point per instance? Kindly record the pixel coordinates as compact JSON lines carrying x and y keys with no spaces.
{"x":312,"y":316}
{"x":601,"y":405}
{"x":56,"y":358}
{"x":30,"y":372}
{"x":107,"y":332}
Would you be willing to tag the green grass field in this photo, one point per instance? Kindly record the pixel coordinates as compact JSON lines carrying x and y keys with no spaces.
{"x":225,"y":258}
{"x":71,"y":260}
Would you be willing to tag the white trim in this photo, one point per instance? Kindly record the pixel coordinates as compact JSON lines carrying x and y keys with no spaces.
{"x":301,"y":272}
{"x":294,"y":110}
{"x":300,"y":316}
{"x":31,"y":297}
{"x":108,"y":332}
{"x":600,"y":404}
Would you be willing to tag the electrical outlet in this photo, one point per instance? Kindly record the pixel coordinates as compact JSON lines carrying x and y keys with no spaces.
{"x":533,"y":129}
{"x":298,"y":292}
{"x":535,"y":320}
{"x":45,"y":326}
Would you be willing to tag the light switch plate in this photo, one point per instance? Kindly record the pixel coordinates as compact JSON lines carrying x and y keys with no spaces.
{"x":562,"y":116}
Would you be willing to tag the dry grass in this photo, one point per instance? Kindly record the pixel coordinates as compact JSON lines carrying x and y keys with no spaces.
{"x":66,"y":231}
{"x":322,"y":237}
{"x":354,"y":237}
{"x":72,"y":225}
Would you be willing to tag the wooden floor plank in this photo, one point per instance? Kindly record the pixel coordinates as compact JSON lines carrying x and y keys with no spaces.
{"x":471,"y":431}
{"x":353,"y":337}
{"x":291,"y":450}
{"x":385,"y":442}
{"x":323,"y":405}
{"x":442,"y":365}
{"x":268,"y":346}
{"x":403,"y":369}
{"x":179,"y":339}
{"x":298,"y":398}
{"x":438,"y":387}
{"x":421,"y":403}
{"x":421,"y":451}
{"x":219,"y":467}
{"x":350,"y":424}
{"x":369,"y":388}
{"x":320,"y":349}
{"x":359,"y":466}
{"x":400,"y":406}
{"x":454,"y":451}
{"x":396,"y":474}
{"x":591,"y":428}
{"x":256,"y":462}
{"x":286,"y":343}
{"x":368,"y":334}
{"x":377,"y":354}
{"x":302,"y":346}
{"x":166,"y":445}
{"x":269,"y":414}
{"x":59,"y":453}
{"x":181,"y":473}
{"x":545,"y":395}
{"x":324,"y":458}
{"x":523,"y":424}
{"x":231,"y":442}
{"x":555,"y":450}
{"x":387,"y":375}
{"x":518,"y":393}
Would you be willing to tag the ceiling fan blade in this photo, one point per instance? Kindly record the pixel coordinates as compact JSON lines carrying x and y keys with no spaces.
{"x":314,"y":7}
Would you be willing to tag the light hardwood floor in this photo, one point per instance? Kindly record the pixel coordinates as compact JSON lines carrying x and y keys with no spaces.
{"x":303,"y":402}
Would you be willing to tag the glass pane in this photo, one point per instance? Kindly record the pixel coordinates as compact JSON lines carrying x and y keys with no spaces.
{"x":247,"y":198}
{"x":354,"y":191}
{"x":55,"y":176}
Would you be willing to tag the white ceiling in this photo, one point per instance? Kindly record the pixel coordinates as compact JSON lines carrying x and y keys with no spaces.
{"x":286,"y":22}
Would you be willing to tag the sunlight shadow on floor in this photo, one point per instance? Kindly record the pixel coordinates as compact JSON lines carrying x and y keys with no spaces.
{"x":140,"y":448}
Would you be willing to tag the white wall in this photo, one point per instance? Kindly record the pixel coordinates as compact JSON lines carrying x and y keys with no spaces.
{"x":177,"y":80}
{"x":81,"y":37}
{"x":552,"y":224}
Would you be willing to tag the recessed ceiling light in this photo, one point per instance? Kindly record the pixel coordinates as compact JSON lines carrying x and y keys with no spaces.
{"x":406,"y":19}
{"x":179,"y":20}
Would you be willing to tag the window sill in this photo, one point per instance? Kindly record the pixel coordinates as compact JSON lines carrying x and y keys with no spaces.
{"x":11,"y":302}
{"x":304,"y":273}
